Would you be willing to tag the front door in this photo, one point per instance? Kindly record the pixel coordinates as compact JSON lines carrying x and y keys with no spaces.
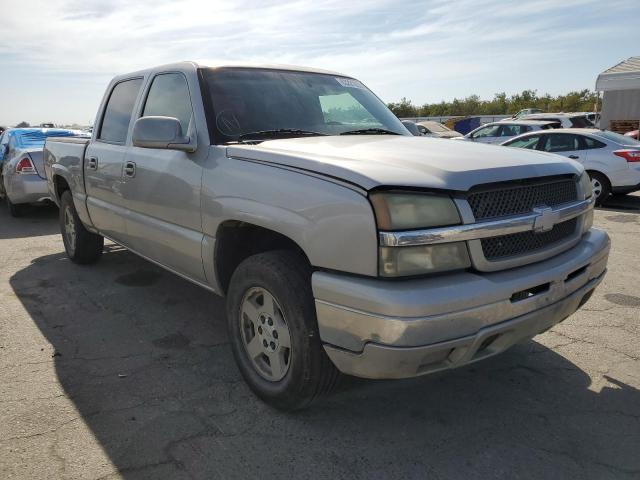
{"x":104,"y":159}
{"x":162,"y":187}
{"x":488,"y":134}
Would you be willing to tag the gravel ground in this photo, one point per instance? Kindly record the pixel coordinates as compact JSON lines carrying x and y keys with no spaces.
{"x":120,"y":370}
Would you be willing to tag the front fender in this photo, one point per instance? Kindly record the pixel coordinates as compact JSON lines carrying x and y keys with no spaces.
{"x":331,"y":223}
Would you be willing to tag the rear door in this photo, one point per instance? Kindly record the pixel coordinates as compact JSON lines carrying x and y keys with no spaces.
{"x":162,"y":188}
{"x":103,"y":163}
{"x":565,"y":144}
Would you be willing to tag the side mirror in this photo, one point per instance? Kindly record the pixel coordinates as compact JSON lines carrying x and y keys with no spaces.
{"x":161,"y":132}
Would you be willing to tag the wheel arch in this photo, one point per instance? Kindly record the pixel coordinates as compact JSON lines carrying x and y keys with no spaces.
{"x":60,"y":184}
{"x":237,"y":240}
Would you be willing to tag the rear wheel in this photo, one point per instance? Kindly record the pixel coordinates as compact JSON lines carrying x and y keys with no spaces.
{"x":600,"y":186}
{"x":274,"y":331}
{"x":81,"y":245}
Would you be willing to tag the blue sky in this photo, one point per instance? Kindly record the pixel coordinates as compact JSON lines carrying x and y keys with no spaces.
{"x":56,"y":57}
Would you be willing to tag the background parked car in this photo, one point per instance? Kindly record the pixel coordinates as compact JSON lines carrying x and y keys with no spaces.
{"x":565,"y":120}
{"x":526,"y":111}
{"x":4,"y":139}
{"x":432,"y":128}
{"x":22,"y":177}
{"x":612,"y":160}
{"x":412,"y":127}
{"x":498,"y":132}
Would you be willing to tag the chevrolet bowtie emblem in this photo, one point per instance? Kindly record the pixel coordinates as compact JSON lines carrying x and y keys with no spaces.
{"x":545,"y":220}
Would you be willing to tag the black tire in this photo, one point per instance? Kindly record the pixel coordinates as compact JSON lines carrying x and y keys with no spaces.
{"x":605,"y":186}
{"x":86,"y":247}
{"x":15,"y":210}
{"x":287,"y":277}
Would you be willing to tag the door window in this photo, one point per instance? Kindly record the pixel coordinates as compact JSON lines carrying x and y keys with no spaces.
{"x":169,"y":97}
{"x":528,"y":142}
{"x":117,"y":114}
{"x":491,"y":131}
{"x":561,"y":142}
{"x":591,"y":143}
{"x":512,"y":130}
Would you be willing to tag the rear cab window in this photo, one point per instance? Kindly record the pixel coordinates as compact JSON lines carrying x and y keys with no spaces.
{"x":119,"y":110}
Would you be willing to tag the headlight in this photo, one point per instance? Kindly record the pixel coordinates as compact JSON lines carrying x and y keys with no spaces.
{"x":405,"y":211}
{"x":419,"y":260}
{"x":585,"y":185}
{"x":587,"y":190}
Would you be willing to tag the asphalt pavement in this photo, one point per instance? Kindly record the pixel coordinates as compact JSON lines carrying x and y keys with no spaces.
{"x":122,"y":370}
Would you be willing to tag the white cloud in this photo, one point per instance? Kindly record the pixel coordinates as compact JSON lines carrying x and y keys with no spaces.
{"x":424,"y":50}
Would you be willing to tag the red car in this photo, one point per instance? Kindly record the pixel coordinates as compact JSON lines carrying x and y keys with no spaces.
{"x":632,"y":134}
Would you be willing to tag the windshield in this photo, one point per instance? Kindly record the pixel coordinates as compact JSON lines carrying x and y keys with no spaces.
{"x":248,"y":100}
{"x":617,"y":138}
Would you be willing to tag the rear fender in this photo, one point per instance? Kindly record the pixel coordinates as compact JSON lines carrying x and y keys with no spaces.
{"x":62,"y":176}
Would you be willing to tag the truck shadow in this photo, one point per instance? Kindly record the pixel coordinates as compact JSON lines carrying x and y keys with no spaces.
{"x":144,"y":357}
{"x":36,"y":221}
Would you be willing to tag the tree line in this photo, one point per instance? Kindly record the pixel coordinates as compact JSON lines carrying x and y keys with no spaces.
{"x":500,"y":104}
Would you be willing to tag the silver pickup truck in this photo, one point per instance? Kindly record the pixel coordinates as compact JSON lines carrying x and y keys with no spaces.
{"x":341,"y":242}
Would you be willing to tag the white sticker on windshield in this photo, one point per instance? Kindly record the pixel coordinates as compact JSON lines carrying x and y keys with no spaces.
{"x":350,"y":82}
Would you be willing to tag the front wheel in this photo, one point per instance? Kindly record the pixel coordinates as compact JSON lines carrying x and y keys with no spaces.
{"x":600,"y":186}
{"x":274,"y":331}
{"x":81,"y":245}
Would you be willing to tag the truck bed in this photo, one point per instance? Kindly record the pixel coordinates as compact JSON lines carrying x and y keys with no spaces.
{"x":65,"y":154}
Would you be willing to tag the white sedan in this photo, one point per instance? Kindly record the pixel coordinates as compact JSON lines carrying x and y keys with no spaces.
{"x":612,"y":160}
{"x":498,"y":132}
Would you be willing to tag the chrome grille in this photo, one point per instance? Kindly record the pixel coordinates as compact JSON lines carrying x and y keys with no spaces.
{"x":517,"y":199}
{"x":496,"y":248}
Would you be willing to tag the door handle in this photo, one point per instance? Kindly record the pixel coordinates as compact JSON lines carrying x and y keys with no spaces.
{"x":92,"y":163}
{"x":574,"y":157}
{"x":130,"y":169}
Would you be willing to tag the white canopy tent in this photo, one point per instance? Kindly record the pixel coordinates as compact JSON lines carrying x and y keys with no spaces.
{"x":620,"y":85}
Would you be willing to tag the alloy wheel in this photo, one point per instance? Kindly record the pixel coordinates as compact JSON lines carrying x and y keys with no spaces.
{"x":265,"y":334}
{"x":70,"y":228}
{"x":596,"y":187}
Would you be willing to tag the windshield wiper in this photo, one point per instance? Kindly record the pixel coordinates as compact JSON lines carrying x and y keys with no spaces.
{"x":370,"y":131}
{"x":279,"y":132}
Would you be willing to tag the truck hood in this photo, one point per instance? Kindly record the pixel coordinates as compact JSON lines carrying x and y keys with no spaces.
{"x":371,"y":161}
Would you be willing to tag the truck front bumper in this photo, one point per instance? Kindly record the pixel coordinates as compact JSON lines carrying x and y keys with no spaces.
{"x":376,"y":328}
